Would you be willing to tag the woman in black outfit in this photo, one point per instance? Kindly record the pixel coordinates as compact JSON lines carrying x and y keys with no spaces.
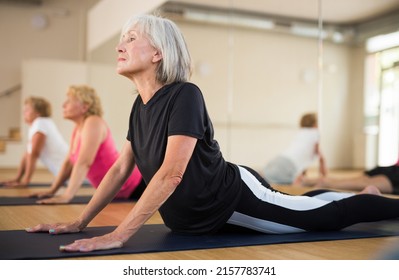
{"x":196,"y":191}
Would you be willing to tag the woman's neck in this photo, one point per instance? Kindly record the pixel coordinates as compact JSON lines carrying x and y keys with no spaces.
{"x":79,"y":122}
{"x":147,"y":88}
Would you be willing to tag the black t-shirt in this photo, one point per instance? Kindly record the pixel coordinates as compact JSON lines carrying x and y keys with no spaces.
{"x":209,"y":191}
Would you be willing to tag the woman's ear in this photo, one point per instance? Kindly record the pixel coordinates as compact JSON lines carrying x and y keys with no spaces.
{"x":85,"y":107}
{"x":157,"y":56}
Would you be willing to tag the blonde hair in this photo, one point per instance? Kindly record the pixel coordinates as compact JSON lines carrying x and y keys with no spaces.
{"x":87,"y":95}
{"x":309,"y":120}
{"x":40,"y":105}
{"x":165,"y":36}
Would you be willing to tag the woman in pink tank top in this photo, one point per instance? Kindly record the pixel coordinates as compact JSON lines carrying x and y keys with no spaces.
{"x":92,"y":150}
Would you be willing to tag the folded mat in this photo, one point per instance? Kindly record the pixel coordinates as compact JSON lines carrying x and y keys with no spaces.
{"x":21,"y":200}
{"x":18,"y":244}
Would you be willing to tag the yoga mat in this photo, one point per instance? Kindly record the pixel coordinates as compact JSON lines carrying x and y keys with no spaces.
{"x":47,"y":184}
{"x":30,"y":185}
{"x":18,"y":244}
{"x":20,"y":200}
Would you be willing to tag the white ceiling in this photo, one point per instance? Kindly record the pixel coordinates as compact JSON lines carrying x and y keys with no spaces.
{"x":333,"y":11}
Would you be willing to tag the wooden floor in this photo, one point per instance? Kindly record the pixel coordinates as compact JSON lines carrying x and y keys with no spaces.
{"x":20,"y":217}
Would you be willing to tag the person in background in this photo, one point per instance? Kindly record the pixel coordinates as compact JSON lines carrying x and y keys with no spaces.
{"x":289,"y":166}
{"x":92,"y":150}
{"x":384,"y":178}
{"x":171,"y":138}
{"x":45,"y":142}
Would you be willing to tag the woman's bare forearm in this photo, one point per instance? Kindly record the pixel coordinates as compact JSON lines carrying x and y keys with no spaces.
{"x":78,"y":175}
{"x":156,"y":193}
{"x":62,"y":176}
{"x":106,"y":191}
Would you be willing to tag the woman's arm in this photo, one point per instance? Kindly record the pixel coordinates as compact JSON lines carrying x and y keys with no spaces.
{"x":60,"y":179}
{"x":162,"y":185}
{"x":28,"y":162}
{"x":20,"y":173}
{"x":21,"y":168}
{"x":62,"y":176}
{"x":106,"y":191}
{"x":92,"y":135}
{"x":322,"y":162}
{"x":38,"y":142}
{"x":110,"y":185}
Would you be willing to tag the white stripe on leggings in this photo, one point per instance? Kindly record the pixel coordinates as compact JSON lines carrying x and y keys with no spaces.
{"x":290,"y":202}
{"x":293,"y":202}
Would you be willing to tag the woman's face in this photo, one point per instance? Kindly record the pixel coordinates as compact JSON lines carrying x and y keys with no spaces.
{"x":29,"y":113}
{"x":136,"y":54}
{"x":73,"y":108}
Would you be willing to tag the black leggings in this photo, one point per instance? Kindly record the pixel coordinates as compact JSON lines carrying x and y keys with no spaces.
{"x":264,"y":209}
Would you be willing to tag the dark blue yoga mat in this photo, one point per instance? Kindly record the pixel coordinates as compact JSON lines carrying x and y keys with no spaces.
{"x":18,"y":244}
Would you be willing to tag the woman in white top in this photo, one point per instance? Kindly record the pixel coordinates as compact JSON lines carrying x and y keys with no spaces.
{"x":45,"y":142}
{"x":304,"y":149}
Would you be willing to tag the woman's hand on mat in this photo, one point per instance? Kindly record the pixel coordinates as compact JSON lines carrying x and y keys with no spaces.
{"x":43,"y":194}
{"x":59,"y":199}
{"x":57,"y":228}
{"x":15,"y":184}
{"x":104,"y":242}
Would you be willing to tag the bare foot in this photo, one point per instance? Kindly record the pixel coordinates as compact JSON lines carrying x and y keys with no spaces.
{"x":370,"y":190}
{"x":298,"y":180}
{"x":319,"y":182}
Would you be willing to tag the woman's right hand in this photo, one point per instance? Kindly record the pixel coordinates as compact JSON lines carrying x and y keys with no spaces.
{"x":43,"y":194}
{"x":14,"y":184}
{"x":57,"y":228}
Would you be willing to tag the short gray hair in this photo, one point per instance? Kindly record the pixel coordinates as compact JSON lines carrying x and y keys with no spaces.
{"x":166,"y":37}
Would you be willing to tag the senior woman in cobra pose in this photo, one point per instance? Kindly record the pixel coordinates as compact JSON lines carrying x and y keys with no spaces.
{"x":195,"y":190}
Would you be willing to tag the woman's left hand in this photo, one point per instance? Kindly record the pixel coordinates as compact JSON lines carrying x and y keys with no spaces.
{"x":61,"y":199}
{"x":15,"y":185}
{"x":104,"y":242}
